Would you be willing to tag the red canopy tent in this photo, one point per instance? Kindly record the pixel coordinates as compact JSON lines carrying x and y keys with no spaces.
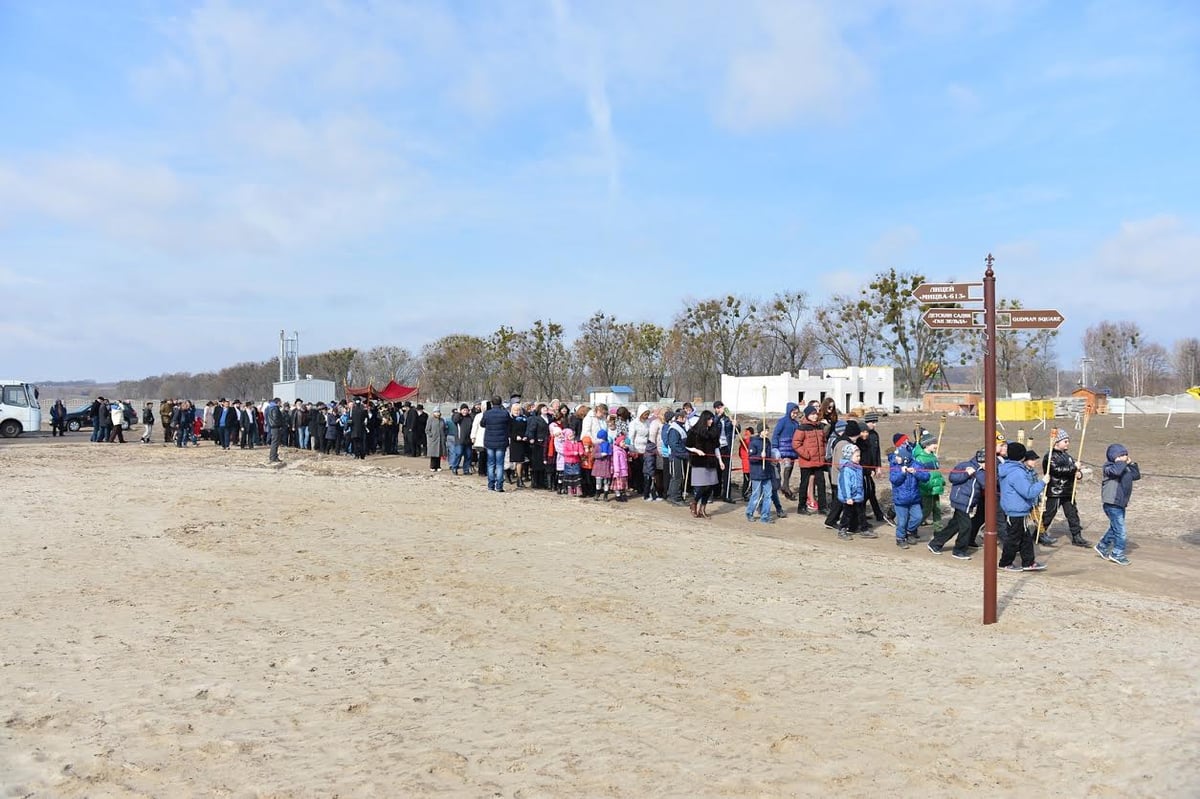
{"x":392,"y":392}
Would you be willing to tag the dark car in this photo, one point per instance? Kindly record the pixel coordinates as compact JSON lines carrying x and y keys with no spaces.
{"x":78,"y":419}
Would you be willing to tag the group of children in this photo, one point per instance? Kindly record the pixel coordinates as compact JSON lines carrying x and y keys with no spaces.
{"x":604,"y":462}
{"x":917,"y":483}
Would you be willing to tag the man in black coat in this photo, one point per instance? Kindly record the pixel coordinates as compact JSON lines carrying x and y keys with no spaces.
{"x":358,"y":429}
{"x":537,"y":430}
{"x":419,"y":441}
{"x":410,"y":423}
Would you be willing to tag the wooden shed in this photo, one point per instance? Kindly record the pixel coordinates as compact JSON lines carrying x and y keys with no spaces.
{"x":1094,"y":401}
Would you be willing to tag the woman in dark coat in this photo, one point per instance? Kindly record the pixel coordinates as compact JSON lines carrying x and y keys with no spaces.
{"x":703,"y":442}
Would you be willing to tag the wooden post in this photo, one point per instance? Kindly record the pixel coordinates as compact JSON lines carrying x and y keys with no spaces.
{"x":990,"y":481}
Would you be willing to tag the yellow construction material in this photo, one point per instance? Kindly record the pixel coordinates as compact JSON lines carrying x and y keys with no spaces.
{"x":1024,"y":410}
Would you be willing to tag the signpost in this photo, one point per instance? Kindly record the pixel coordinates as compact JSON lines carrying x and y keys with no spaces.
{"x":945,"y":292}
{"x":1028,"y":319}
{"x":943,"y":318}
{"x":963,"y":319}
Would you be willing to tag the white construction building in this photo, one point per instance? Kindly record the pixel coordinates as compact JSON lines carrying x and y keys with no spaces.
{"x":850,"y":387}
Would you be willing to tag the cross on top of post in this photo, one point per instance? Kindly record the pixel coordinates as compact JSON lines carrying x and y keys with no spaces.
{"x":989,"y":261}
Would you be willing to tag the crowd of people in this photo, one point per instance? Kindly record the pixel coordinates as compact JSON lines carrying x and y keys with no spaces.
{"x":660,"y":453}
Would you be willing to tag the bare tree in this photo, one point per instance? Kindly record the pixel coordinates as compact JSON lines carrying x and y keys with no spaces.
{"x":1185,"y":358}
{"x":846,"y":330}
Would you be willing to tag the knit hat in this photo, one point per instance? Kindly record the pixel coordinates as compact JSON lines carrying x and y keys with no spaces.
{"x":980,"y":455}
{"x":1063,"y":435}
{"x":1016,"y":451}
{"x":602,"y":434}
{"x":852,"y":429}
{"x":840,"y":427}
{"x":812,"y":410}
{"x":871,"y":417}
{"x":1030,"y":455}
{"x":848,"y":451}
{"x":928,"y":440}
{"x":899,"y":440}
{"x":1000,"y":439}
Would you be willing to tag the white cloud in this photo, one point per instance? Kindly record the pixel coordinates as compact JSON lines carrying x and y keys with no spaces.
{"x":841,"y":281}
{"x":797,"y":65}
{"x":1144,"y":272}
{"x":963,"y":98}
{"x":894,"y":247}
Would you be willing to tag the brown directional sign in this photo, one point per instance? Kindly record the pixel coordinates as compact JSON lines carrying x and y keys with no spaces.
{"x":953,"y":318}
{"x":945,"y":292}
{"x":1030,"y":319}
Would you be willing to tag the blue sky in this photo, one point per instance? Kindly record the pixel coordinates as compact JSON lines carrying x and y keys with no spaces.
{"x":180,"y":181}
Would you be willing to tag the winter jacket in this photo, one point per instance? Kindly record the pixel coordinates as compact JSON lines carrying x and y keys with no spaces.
{"x":463,"y":422}
{"x":759,"y":470}
{"x":784,"y":432}
{"x":639,"y":436}
{"x":1118,"y":478}
{"x":1061,"y":467}
{"x":936,"y":483}
{"x":705,"y":439}
{"x":435,"y":437}
{"x":808,"y":445}
{"x":274,"y":415}
{"x":495,"y":423}
{"x":870,"y":450}
{"x":724,"y":427}
{"x":906,"y":488}
{"x":1019,"y":489}
{"x":850,"y":482}
{"x":676,"y":438}
{"x":966,"y":491}
{"x":537,"y":430}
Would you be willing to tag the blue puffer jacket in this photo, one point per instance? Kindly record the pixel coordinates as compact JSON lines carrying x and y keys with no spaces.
{"x":850,"y":482}
{"x":785,"y":428}
{"x":966,"y":491}
{"x":906,"y":488}
{"x":1019,"y":489}
{"x":495,"y":424}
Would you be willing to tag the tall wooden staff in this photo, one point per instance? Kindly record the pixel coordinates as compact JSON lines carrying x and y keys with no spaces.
{"x":1040,"y":507}
{"x":941,"y":432}
{"x":1079,"y":460}
{"x":764,"y":428}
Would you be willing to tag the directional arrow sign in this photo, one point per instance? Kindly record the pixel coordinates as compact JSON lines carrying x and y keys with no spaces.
{"x":945,"y":292}
{"x":1027,"y":319}
{"x":952,"y":318}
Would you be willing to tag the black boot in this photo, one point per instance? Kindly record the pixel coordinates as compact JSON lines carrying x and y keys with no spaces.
{"x":1079,"y":541}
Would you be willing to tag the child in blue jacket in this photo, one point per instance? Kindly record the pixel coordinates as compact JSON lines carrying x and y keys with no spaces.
{"x":1020,"y":489}
{"x":851,"y":492}
{"x":762,"y":474}
{"x":906,"y":477}
{"x":966,"y":492}
{"x":1119,"y":473}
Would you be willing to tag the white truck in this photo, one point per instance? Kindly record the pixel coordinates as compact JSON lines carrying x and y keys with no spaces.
{"x":19,"y":408}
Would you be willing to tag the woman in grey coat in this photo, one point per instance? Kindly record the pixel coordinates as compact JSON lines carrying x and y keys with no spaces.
{"x":435,"y":437}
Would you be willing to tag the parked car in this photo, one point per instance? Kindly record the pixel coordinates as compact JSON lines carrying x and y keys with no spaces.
{"x":82,"y":417}
{"x":79,"y":418}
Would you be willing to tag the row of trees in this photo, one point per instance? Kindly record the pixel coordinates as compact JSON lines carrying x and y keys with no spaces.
{"x":1123,"y":361}
{"x":731,"y":334}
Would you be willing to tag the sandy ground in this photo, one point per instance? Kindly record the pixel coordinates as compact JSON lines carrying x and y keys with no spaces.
{"x":196,"y":623}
